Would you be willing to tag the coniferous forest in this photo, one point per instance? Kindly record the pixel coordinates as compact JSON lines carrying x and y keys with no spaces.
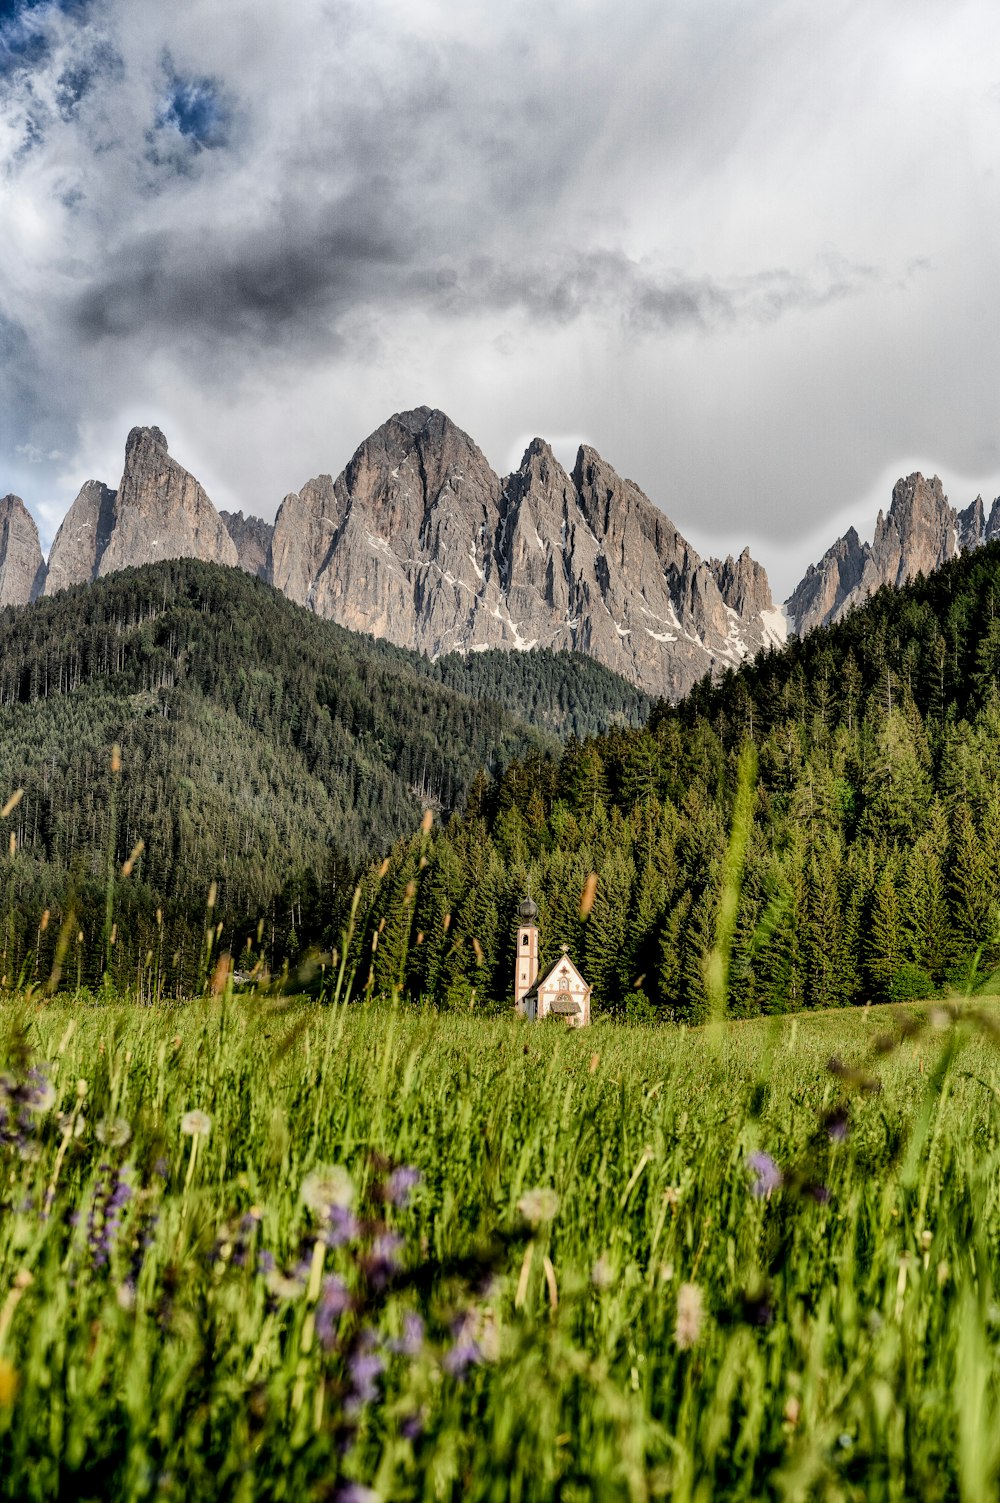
{"x":265,"y":755}
{"x":873,"y":865}
{"x":269,"y":761}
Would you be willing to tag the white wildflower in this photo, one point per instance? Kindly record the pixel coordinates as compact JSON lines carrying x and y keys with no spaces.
{"x":539,"y":1206}
{"x":70,"y":1125}
{"x":326,"y":1186}
{"x":282,"y":1286}
{"x":115,"y":1132}
{"x":690,"y":1310}
{"x":602,"y":1275}
{"x":196,"y":1124}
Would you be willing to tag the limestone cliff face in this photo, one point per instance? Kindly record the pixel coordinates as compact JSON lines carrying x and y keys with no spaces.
{"x":411,"y":554}
{"x":158,"y":511}
{"x":919,"y":533}
{"x":161,"y":511}
{"x":22,"y":567}
{"x":252,"y":536}
{"x":826,"y":587}
{"x":742,"y":583}
{"x":81,"y":540}
{"x":419,"y":541}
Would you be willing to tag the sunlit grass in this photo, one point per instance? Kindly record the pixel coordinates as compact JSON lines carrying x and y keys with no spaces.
{"x":666,"y":1333}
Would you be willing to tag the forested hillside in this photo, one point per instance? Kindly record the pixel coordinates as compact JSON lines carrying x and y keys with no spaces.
{"x":262,"y":749}
{"x":874,"y":860}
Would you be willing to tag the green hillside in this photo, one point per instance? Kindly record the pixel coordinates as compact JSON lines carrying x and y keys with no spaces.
{"x":262,"y":750}
{"x":873,"y":868}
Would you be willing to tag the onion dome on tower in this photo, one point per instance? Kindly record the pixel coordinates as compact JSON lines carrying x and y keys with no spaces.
{"x":528,"y":911}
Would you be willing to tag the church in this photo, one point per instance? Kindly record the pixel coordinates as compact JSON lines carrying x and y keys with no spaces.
{"x":559,"y":992}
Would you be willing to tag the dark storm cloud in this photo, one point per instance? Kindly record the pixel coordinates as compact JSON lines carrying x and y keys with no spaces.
{"x":288,"y":282}
{"x":770,"y":233}
{"x":577,"y":284}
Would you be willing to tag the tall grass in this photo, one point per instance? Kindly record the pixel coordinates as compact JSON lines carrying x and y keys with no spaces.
{"x":765,"y":1269}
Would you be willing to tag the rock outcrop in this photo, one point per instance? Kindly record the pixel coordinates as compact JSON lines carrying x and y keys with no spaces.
{"x":158,"y":511}
{"x":743,"y":583}
{"x":82,"y":539}
{"x":919,"y":533}
{"x":419,"y":541}
{"x":22,"y":567}
{"x":827,"y":587}
{"x":252,"y":536}
{"x":161,"y":511}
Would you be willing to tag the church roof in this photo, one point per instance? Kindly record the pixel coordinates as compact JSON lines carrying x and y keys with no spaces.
{"x":544,"y":976}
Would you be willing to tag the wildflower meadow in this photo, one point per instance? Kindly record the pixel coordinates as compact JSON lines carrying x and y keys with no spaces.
{"x":255,"y":1249}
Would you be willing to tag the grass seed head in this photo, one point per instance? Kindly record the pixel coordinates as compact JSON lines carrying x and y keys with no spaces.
{"x":690,"y":1314}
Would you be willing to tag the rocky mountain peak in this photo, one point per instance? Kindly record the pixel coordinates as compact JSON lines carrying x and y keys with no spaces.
{"x":82,"y":538}
{"x":161,"y":511}
{"x":139,"y":438}
{"x":22,"y":567}
{"x":918,"y":533}
{"x":972,"y":526}
{"x":418,"y":540}
{"x":743,"y":583}
{"x":252,"y":536}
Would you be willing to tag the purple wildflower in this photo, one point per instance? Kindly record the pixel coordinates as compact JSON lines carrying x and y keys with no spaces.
{"x":465,"y":1353}
{"x":399,"y":1184}
{"x":334,"y":1299}
{"x":342,"y":1227}
{"x":356,"y":1492}
{"x":412,"y":1427}
{"x":837,"y":1124}
{"x":383,"y":1260}
{"x":412,"y":1339}
{"x":104,"y":1221}
{"x":265,"y":1261}
{"x":767,"y":1176}
{"x":365,"y":1368}
{"x":161,"y":1167}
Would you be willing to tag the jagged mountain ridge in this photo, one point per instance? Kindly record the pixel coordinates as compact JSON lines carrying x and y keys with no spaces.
{"x":919,"y":533}
{"x":419,"y":541}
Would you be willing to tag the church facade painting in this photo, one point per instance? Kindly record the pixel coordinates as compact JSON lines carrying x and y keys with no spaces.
{"x":559,"y":991}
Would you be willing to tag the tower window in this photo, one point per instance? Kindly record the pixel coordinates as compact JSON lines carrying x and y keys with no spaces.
{"x":524,"y":940}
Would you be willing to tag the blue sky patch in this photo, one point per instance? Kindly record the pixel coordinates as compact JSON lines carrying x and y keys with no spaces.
{"x":195,"y":109}
{"x":23,"y":43}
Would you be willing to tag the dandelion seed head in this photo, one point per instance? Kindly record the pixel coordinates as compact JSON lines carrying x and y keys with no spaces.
{"x":327,"y":1188}
{"x":113,"y":1132}
{"x":196,"y":1124}
{"x":539,"y":1206}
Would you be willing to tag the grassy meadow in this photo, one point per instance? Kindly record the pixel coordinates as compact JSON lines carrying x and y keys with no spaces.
{"x":252,"y":1249}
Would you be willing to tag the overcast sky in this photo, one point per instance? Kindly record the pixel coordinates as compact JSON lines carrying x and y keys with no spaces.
{"x":746,"y":250}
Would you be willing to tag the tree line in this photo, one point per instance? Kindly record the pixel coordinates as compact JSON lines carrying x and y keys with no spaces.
{"x":873,"y":865}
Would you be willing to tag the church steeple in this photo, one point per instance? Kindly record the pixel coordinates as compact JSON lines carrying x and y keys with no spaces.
{"x":526,"y":962}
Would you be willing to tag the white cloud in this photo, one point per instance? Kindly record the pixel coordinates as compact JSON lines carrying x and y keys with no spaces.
{"x":747,"y":249}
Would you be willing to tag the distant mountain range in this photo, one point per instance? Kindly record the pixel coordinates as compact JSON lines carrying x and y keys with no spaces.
{"x":420,"y":542}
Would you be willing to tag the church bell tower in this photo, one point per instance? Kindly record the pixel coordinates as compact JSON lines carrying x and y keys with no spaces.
{"x":526,"y":964}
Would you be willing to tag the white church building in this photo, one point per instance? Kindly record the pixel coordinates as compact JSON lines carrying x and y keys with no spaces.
{"x":559,"y":992}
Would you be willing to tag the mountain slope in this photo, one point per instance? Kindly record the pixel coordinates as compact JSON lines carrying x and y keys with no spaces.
{"x":873,"y":861}
{"x":258,"y":742}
